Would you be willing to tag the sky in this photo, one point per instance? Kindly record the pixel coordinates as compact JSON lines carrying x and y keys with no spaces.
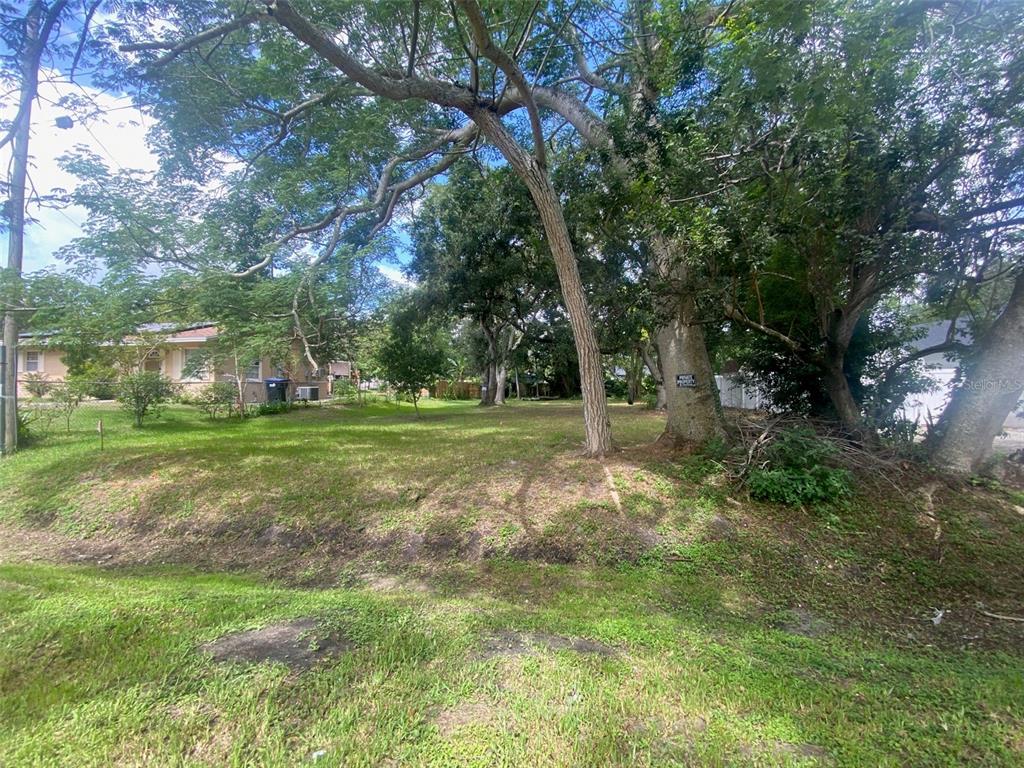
{"x":118,"y":137}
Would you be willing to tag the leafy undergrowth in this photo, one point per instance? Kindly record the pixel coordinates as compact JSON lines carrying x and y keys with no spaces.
{"x":645,"y":612}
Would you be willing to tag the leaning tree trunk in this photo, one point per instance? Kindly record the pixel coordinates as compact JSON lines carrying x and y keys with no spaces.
{"x":988,"y":393}
{"x":597,"y":427}
{"x":841,"y":325}
{"x":691,"y":396}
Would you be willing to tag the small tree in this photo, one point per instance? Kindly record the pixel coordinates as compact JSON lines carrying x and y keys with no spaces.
{"x":66,"y":399}
{"x":415,"y":353}
{"x":143,"y":393}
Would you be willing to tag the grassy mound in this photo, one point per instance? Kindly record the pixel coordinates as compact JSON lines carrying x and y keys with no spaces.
{"x":463,"y":588}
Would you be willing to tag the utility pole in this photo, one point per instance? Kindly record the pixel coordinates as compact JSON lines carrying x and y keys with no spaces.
{"x":3,"y":397}
{"x":40,"y":21}
{"x":28,"y":63}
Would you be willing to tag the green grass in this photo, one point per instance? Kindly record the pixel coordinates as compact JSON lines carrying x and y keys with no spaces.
{"x":101,"y":665}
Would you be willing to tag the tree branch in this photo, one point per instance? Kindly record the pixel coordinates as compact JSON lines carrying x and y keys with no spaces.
{"x":386,"y":194}
{"x":734,"y":313}
{"x":508,"y":65}
{"x":30,"y":73}
{"x":414,"y":38}
{"x":176,"y":48}
{"x":395,"y":88}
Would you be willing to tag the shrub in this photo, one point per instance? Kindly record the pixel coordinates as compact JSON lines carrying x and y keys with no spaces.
{"x":98,"y":381}
{"x":269,"y":409}
{"x":27,"y":425}
{"x":343,"y":388}
{"x":616,"y":388}
{"x":144,"y":393}
{"x":36,"y":384}
{"x":216,"y":398}
{"x":796,"y":471}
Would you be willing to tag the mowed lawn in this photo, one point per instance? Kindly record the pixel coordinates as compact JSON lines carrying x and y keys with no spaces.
{"x":464,"y":589}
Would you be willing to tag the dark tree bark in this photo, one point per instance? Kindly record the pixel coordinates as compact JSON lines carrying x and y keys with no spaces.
{"x":989,"y":392}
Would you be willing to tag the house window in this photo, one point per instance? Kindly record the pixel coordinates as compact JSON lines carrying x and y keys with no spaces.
{"x":32,"y":362}
{"x":153,"y":362}
{"x":253,"y":371}
{"x":193,"y":366}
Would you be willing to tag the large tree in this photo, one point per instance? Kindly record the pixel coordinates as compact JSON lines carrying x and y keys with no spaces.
{"x":991,"y":386}
{"x":450,"y":83}
{"x":858,"y":149}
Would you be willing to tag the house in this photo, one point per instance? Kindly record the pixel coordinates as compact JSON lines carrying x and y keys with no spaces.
{"x":168,"y":349}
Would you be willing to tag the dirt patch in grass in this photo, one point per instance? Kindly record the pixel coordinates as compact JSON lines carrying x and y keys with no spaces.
{"x":511,"y":643}
{"x":297,"y":644}
{"x":385,"y":582}
{"x":804,"y":622}
{"x":804,"y":754}
{"x":475,"y":711}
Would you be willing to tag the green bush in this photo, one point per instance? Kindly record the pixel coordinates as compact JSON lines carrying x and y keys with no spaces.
{"x":66,"y":399}
{"x":269,"y":409}
{"x":144,"y":393}
{"x":97,"y":380}
{"x":27,"y":426}
{"x":36,"y":384}
{"x":343,"y":388}
{"x":797,"y":471}
{"x":216,"y":398}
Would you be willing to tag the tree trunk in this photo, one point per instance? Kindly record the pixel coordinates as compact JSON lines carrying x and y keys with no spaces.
{"x":489,"y":379}
{"x":691,"y":396}
{"x":16,"y":203}
{"x":490,"y":375}
{"x":837,"y":386}
{"x":508,"y":341}
{"x":988,"y":393}
{"x":500,"y":380}
{"x":660,"y":400}
{"x":597,"y":427}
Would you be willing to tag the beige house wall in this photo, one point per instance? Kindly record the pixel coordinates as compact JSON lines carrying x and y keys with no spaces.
{"x":169,"y":360}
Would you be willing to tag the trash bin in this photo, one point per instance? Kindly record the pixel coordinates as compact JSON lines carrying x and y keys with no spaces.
{"x":277,"y":390}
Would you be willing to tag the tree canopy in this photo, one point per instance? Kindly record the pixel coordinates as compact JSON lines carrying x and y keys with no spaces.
{"x":798,"y":188}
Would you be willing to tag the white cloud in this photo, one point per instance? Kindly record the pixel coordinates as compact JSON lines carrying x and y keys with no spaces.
{"x":119,"y":137}
{"x":396,"y":276}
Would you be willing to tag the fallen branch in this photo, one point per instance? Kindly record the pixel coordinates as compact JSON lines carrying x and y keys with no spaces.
{"x":1000,"y":616}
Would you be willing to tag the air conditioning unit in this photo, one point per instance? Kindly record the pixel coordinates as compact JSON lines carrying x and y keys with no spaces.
{"x":307,"y":393}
